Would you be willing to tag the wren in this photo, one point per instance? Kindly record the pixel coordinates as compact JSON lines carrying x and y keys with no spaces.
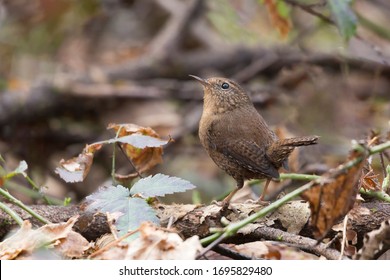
{"x":237,"y":137}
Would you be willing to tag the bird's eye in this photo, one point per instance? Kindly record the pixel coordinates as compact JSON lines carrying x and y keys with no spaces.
{"x":225,"y":86}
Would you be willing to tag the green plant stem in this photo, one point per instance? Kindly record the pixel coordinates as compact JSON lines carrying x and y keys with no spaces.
{"x":9,"y":185}
{"x":379,"y":148}
{"x":36,"y":188}
{"x":298,"y":176}
{"x":113,"y":153}
{"x":12,"y":213}
{"x":386,"y":180}
{"x":381,"y":195}
{"x":113,"y":163}
{"x":17,"y":202}
{"x":232,"y":228}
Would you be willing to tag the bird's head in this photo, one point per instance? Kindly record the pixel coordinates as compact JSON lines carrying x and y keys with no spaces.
{"x":223,"y":94}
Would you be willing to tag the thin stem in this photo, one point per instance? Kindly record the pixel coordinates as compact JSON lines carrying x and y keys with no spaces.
{"x":298,"y":176}
{"x":12,"y":213}
{"x":17,"y":202}
{"x":386,"y":180}
{"x":344,"y":237}
{"x":35,"y":187}
{"x":214,"y":243}
{"x":130,"y":161}
{"x":9,"y":185}
{"x":309,"y":9}
{"x":381,"y":195}
{"x":379,"y":148}
{"x":113,"y":163}
{"x":113,"y":155}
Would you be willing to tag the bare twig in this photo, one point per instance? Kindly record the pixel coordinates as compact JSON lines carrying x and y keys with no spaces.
{"x":309,"y":9}
{"x":301,"y":242}
{"x":344,"y":240}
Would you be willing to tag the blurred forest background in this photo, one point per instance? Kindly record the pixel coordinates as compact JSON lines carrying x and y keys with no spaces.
{"x":69,"y":68}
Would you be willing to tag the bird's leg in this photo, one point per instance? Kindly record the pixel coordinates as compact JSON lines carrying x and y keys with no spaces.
{"x":261,"y":198}
{"x":226,"y":201}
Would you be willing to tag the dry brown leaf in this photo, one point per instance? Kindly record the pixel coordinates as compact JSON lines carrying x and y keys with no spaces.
{"x":153,"y":243}
{"x":281,"y":23}
{"x":173,"y":211}
{"x":369,"y":180}
{"x":334,"y":195}
{"x":375,"y":242}
{"x":104,"y":240}
{"x":157,"y":244}
{"x":117,"y":252}
{"x":77,"y":168}
{"x":73,"y":246}
{"x":143,"y":159}
{"x":293,"y":223}
{"x":26,"y":239}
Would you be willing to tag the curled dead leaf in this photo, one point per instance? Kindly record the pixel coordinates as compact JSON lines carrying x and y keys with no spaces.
{"x":334,"y":194}
{"x":26,"y":239}
{"x":143,"y":159}
{"x":77,"y":168}
{"x":157,"y":244}
{"x":376,"y":242}
{"x":73,"y":246}
{"x":153,"y":243}
{"x":369,"y":180}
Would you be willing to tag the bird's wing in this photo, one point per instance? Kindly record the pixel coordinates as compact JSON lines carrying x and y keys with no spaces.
{"x":240,"y":149}
{"x":250,"y":156}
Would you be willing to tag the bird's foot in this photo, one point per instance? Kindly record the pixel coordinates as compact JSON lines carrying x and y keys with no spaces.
{"x":263,"y":202}
{"x":259,"y":201}
{"x":223,"y":204}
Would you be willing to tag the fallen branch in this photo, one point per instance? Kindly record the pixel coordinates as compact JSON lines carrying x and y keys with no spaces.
{"x":303,"y":243}
{"x":188,"y":220}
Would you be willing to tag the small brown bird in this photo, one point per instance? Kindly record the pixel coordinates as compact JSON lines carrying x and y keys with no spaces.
{"x":238,"y":139}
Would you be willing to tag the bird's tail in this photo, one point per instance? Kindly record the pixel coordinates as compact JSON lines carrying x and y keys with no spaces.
{"x":279,"y":151}
{"x":297,"y":141}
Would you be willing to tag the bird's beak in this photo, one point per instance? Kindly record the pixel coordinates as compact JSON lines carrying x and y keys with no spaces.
{"x":202,"y":81}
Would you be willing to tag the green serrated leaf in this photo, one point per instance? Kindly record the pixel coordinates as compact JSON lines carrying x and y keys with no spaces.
{"x":160,"y":185}
{"x":139,"y":141}
{"x":137,"y":211}
{"x":108,"y":199}
{"x":344,"y":17}
{"x":132,"y":211}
